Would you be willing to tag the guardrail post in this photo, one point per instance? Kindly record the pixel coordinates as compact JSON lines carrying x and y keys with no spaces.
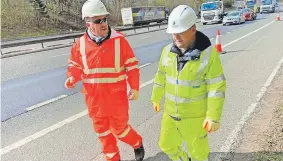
{"x":148,"y":28}
{"x":42,"y":44}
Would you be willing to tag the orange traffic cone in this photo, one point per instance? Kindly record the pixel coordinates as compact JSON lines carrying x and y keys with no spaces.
{"x":218,"y":45}
{"x":278,"y":16}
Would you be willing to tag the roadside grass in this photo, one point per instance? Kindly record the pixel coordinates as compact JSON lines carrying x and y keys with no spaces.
{"x":267,"y":156}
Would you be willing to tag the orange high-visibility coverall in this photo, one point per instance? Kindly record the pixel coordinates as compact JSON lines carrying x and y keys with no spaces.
{"x":103,"y":69}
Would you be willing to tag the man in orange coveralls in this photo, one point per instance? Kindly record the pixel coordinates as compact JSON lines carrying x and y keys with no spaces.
{"x":102,"y":59}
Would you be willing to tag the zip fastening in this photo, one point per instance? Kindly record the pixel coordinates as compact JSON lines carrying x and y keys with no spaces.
{"x":177,"y":84}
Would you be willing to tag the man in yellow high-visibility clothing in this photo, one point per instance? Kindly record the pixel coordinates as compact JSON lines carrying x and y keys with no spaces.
{"x":190,"y":77}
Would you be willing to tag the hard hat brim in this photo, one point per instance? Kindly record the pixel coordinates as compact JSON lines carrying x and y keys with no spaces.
{"x":169,"y":30}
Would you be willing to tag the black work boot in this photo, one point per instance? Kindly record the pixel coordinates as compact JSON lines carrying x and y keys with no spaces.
{"x":139,"y":153}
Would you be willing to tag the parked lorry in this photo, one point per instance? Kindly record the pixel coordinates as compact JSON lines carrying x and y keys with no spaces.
{"x":254,"y":5}
{"x":143,"y":15}
{"x":212,"y":11}
{"x":268,"y":6}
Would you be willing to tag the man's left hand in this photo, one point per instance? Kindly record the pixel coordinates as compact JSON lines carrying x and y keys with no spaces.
{"x":210,"y":125}
{"x":133,"y":94}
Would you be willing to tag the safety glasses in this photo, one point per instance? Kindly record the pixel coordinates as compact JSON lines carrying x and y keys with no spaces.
{"x":99,"y":21}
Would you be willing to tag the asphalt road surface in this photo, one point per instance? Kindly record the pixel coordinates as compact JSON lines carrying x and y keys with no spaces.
{"x":41,"y":120}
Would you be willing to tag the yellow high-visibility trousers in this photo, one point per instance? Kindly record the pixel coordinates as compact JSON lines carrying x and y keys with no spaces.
{"x":174,"y":132}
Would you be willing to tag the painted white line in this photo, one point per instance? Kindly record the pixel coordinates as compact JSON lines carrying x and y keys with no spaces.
{"x":41,"y":133}
{"x":232,"y":42}
{"x":232,"y":139}
{"x":145,"y":37}
{"x":146,"y":83}
{"x":56,"y":126}
{"x":62,"y":96}
{"x":59,"y":55}
{"x":144,"y":65}
{"x":46,"y":102}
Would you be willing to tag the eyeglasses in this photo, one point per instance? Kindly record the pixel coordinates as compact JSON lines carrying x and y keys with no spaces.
{"x":99,"y":21}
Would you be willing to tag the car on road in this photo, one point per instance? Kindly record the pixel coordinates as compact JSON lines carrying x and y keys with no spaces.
{"x":249,"y":14}
{"x":234,"y":17}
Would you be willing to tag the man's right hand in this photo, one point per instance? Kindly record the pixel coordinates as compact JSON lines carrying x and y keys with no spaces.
{"x":70,"y":82}
{"x":156,"y":107}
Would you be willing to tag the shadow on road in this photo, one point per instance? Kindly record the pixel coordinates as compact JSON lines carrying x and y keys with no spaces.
{"x":255,"y":156}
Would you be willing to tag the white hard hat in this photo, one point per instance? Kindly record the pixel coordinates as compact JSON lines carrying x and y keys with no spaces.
{"x":181,"y":18}
{"x":93,"y":8}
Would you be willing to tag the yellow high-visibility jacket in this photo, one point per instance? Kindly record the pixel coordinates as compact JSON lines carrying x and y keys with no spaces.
{"x":197,"y":90}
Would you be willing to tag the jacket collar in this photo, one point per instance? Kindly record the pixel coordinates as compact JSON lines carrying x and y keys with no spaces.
{"x":97,"y":40}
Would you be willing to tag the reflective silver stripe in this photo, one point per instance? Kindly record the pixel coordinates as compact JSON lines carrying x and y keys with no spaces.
{"x":204,"y":61}
{"x":185,"y":100}
{"x":103,"y":70}
{"x":82,"y":51}
{"x":171,"y":80}
{"x":217,"y":94}
{"x":132,"y":67}
{"x":105,"y":80}
{"x":138,"y":142}
{"x":117,"y":54}
{"x":125,"y":133}
{"x":110,"y":155}
{"x":158,"y":85}
{"x":117,"y":68}
{"x":216,"y":79}
{"x":165,"y":57}
{"x":104,"y":133}
{"x":74,"y":64}
{"x":131,"y":60}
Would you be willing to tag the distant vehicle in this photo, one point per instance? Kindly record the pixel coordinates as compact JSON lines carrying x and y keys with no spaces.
{"x":234,"y":17}
{"x":254,"y":5}
{"x":239,"y":4}
{"x":144,"y":15}
{"x":212,"y":11}
{"x":277,"y":8}
{"x":267,"y":6}
{"x":249,"y":14}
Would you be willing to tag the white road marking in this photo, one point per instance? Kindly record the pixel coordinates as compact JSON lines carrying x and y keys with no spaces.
{"x":145,"y":37}
{"x":144,"y":65}
{"x":232,"y":42}
{"x":45,"y":131}
{"x":146,"y":83}
{"x":59,"y":55}
{"x":235,"y":133}
{"x":58,"y":125}
{"x":46,"y":102}
{"x":41,"y":133}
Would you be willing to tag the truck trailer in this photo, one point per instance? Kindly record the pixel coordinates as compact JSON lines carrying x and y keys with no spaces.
{"x":212,"y":11}
{"x":143,"y":15}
